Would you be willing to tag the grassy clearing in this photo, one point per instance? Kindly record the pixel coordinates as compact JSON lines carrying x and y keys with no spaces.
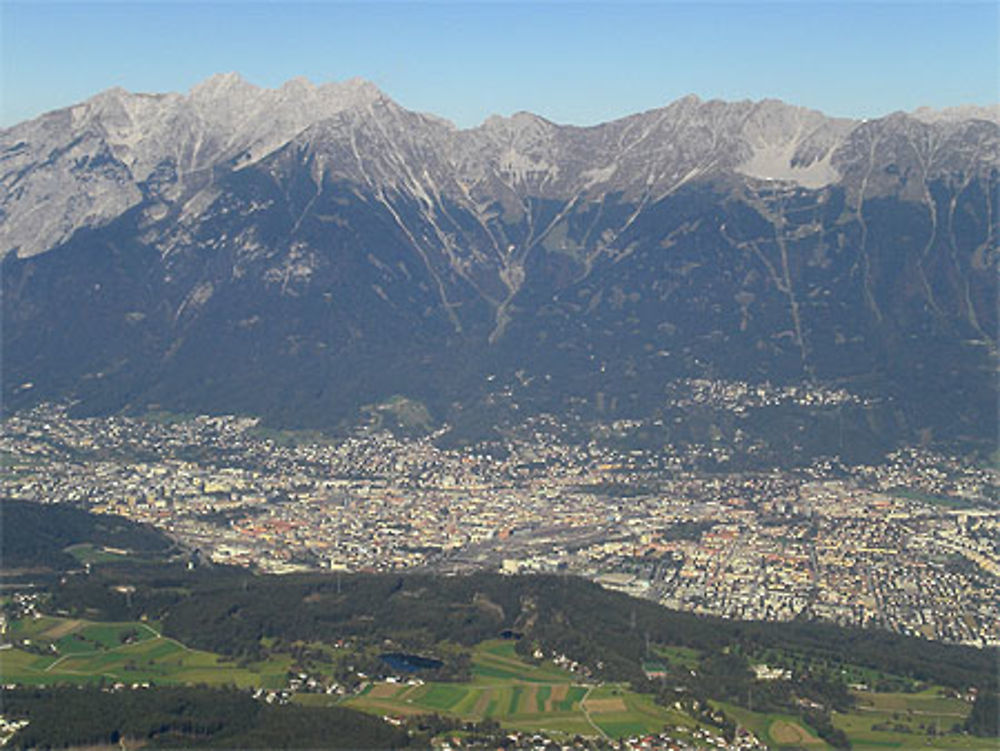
{"x":683,"y":656}
{"x":87,"y":553}
{"x":924,"y":702}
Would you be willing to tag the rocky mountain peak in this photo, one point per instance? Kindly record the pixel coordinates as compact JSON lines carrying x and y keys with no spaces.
{"x":50,"y":187}
{"x":89,"y":163}
{"x":222,"y":84}
{"x":990,"y":113}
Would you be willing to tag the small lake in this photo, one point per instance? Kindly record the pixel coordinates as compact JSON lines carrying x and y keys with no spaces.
{"x":409,"y":663}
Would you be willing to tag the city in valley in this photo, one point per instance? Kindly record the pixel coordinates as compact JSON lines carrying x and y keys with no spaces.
{"x":911,"y":544}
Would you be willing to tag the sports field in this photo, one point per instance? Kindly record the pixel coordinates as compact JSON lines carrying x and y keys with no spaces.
{"x":524,"y":696}
{"x":65,"y":650}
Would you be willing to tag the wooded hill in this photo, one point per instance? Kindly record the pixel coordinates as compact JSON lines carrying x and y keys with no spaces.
{"x":230,"y":611}
{"x":188,"y":718}
{"x":35,"y":535}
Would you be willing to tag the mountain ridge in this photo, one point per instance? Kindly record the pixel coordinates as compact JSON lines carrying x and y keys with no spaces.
{"x":251,"y":256}
{"x":227,"y":119}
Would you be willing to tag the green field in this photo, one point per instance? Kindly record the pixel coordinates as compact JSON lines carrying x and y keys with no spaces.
{"x":80,"y":651}
{"x":898,"y":717}
{"x":523,"y":696}
{"x":902,"y":721}
{"x":682,"y":656}
{"x":775,"y":729}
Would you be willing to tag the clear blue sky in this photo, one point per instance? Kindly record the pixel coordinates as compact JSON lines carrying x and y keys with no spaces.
{"x":573,"y":62}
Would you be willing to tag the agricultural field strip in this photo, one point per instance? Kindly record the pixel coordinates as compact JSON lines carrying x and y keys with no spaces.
{"x":516,"y":682}
{"x":62,"y":628}
{"x":524,"y":696}
{"x":586,"y":714}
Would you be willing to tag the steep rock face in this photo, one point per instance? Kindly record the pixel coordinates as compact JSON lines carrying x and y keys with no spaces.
{"x":301,"y":251}
{"x":85,"y":165}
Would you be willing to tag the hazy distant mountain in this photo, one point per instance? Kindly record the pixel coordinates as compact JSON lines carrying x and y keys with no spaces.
{"x":301,"y":251}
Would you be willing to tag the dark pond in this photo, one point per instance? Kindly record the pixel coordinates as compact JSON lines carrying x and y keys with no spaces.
{"x":409,"y":663}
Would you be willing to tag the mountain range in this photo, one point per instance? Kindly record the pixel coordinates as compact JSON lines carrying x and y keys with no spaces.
{"x":304,"y":251}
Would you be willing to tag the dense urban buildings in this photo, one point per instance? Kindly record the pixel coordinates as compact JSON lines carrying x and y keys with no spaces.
{"x":910,"y":545}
